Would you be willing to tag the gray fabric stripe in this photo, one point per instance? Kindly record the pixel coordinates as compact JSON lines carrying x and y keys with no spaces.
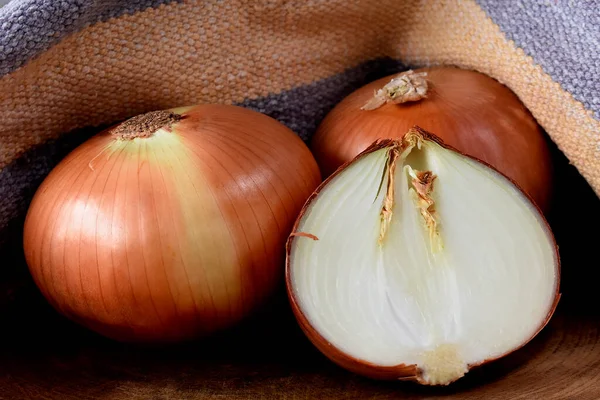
{"x":562,"y":36}
{"x":303,"y":108}
{"x":28,"y":27}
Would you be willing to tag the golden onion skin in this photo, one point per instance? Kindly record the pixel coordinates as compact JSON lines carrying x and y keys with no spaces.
{"x":174,"y":235}
{"x":470,"y":111}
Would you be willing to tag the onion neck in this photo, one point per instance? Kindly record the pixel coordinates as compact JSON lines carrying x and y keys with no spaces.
{"x":145,"y":125}
{"x":408,"y":86}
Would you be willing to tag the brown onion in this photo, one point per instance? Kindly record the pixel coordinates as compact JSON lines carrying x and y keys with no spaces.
{"x":170,"y":225}
{"x":468,"y":110}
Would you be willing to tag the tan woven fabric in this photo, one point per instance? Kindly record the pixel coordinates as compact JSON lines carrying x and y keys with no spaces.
{"x":210,"y":51}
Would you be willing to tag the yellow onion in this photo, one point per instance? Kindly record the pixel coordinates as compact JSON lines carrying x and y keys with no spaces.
{"x":468,"y":110}
{"x":417,"y":262}
{"x":170,"y":225}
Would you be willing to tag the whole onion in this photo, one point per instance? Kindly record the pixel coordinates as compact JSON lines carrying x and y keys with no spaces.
{"x":170,"y":225}
{"x":470,"y":111}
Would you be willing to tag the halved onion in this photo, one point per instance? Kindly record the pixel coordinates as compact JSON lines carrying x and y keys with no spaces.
{"x":415,"y":261}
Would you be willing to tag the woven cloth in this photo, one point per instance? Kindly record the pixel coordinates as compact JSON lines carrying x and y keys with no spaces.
{"x":66,"y":65}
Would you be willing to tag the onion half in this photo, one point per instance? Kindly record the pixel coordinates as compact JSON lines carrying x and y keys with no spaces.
{"x":470,"y":111}
{"x":414,"y":261}
{"x":171,"y":225}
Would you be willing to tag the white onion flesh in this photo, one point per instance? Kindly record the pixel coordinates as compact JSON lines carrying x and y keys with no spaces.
{"x":486,"y":292}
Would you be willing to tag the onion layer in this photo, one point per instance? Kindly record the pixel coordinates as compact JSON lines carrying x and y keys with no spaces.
{"x":468,"y":110}
{"x":170,"y":225}
{"x":416,"y":262}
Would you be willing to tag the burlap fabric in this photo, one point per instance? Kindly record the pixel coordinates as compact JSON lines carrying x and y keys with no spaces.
{"x":73,"y":64}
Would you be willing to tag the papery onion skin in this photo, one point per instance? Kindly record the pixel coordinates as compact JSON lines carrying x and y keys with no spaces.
{"x":470,"y":111}
{"x":173,"y":236}
{"x":402,"y":372}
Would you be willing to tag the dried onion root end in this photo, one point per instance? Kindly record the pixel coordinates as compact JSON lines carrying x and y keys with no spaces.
{"x":428,"y":263}
{"x":145,"y":125}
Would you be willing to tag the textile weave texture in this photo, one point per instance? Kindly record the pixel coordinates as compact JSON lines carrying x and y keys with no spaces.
{"x":74,"y":64}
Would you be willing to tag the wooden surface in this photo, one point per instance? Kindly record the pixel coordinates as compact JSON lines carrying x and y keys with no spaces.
{"x":43,"y":356}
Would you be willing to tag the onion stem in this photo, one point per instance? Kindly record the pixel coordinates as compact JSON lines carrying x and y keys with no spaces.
{"x":408,"y":86}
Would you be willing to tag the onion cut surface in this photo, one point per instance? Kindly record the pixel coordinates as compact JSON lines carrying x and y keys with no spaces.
{"x":415,"y":261}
